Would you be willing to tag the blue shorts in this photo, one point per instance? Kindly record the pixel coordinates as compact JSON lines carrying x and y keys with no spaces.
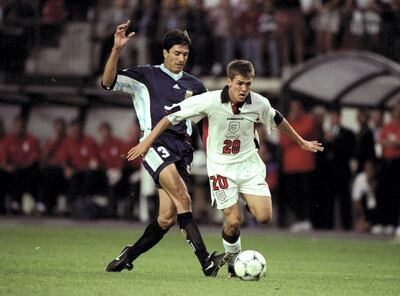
{"x":169,"y":148}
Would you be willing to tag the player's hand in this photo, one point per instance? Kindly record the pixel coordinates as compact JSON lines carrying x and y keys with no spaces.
{"x":312,"y":146}
{"x":139,"y":150}
{"x":120,"y":37}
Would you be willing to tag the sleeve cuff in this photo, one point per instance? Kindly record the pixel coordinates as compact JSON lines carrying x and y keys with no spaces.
{"x":111,"y":86}
{"x":278,"y":118}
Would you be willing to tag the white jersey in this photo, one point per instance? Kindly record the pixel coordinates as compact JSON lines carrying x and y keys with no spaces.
{"x":231,"y":137}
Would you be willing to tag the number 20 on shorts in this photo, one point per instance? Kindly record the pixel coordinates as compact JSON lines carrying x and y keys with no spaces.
{"x":219,"y":182}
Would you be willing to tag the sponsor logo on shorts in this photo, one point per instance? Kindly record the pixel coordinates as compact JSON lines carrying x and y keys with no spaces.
{"x":220,"y":195}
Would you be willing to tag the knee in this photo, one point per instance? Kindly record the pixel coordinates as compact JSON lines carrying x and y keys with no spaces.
{"x":178,"y":191}
{"x":182,"y":194}
{"x":264,"y":217}
{"x":166,"y":221}
{"x":182,"y":198}
{"x":233,"y":224}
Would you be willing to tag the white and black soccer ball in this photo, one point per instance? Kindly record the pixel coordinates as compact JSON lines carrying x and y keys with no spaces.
{"x":250,"y":265}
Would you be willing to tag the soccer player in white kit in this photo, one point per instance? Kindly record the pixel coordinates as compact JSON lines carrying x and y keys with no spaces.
{"x":234,"y":167}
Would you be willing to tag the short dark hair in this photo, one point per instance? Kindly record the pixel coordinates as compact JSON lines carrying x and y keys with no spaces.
{"x":335,"y":108}
{"x":240,"y":67}
{"x":106,"y":125}
{"x":175,"y":37}
{"x":59,"y":120}
{"x":76,"y":122}
{"x":21,"y":118}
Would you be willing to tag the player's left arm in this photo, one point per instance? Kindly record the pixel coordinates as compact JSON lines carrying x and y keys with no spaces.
{"x":273,"y":118}
{"x":313,"y":146}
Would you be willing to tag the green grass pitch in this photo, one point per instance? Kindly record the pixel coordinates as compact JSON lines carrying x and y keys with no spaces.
{"x":70,"y":260}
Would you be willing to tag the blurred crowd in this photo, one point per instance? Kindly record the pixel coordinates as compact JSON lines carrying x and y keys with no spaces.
{"x":69,"y":163}
{"x":273,"y":35}
{"x":352,"y":185}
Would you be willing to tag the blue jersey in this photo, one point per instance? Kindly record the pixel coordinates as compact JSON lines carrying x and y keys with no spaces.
{"x":152,"y":89}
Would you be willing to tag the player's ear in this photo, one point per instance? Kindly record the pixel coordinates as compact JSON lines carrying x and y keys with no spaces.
{"x":164,"y":52}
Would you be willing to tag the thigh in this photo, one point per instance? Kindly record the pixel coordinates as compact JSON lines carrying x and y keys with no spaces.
{"x":223,"y":187}
{"x":20,"y":181}
{"x":77,"y":183}
{"x":259,"y":205}
{"x":166,"y":208}
{"x":168,"y":151}
{"x":251,"y":177}
{"x":172,"y":183}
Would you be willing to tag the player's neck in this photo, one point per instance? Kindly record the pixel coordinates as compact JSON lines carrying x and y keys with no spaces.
{"x":175,"y":76}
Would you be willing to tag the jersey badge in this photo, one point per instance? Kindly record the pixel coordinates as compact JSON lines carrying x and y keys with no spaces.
{"x":234,"y":126}
{"x":188,"y":94}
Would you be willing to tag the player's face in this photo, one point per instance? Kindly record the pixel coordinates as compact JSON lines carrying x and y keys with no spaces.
{"x":239,"y":88}
{"x":176,"y":57}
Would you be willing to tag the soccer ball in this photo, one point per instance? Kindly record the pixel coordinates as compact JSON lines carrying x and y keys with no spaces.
{"x":250,"y":265}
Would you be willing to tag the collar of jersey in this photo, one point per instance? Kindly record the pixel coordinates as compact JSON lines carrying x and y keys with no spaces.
{"x":225,"y":96}
{"x":169,"y":73}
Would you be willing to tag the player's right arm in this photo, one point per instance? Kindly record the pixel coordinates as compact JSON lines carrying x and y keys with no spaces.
{"x":191,"y":108}
{"x":120,"y":39}
{"x":144,"y":146}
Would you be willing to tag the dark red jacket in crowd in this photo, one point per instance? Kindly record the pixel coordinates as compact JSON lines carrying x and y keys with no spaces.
{"x":112,"y":153}
{"x":2,"y":152}
{"x":53,"y":152}
{"x":390,"y":131}
{"x":21,"y":151}
{"x":294,"y":158}
{"x":79,"y":153}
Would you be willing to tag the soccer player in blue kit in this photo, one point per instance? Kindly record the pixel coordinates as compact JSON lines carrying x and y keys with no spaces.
{"x":168,"y":160}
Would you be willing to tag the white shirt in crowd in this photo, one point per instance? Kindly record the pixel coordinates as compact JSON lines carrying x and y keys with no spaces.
{"x":361,"y":189}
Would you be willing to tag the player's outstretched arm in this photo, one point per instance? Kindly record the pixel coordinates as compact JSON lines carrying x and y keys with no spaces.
{"x":142,"y":148}
{"x":120,"y":39}
{"x":313,"y":146}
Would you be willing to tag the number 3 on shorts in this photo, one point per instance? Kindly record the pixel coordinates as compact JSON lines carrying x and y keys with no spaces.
{"x":219,"y":182}
{"x":163,"y":151}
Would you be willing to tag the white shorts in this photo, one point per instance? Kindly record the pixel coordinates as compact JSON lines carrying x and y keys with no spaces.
{"x":228,"y":180}
{"x":328,"y":21}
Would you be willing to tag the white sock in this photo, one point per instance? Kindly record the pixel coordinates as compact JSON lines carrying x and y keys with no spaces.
{"x":232,"y":248}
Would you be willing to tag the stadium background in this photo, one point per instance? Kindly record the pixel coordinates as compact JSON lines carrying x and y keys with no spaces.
{"x":52,"y":54}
